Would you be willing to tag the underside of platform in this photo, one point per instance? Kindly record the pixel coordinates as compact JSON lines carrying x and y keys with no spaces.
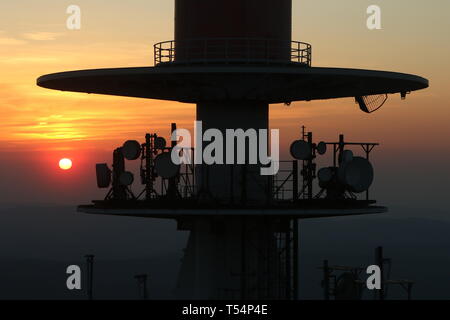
{"x":306,"y":213}
{"x":271,"y":84}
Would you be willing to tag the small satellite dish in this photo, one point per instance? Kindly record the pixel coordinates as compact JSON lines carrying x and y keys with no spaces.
{"x":126,"y":178}
{"x":346,"y":156}
{"x":358,"y":174}
{"x":131,"y":150}
{"x":164,"y":166}
{"x":322,"y":148}
{"x":301,"y":150}
{"x":103,"y":175}
{"x":325,"y":174}
{"x":160,"y":143}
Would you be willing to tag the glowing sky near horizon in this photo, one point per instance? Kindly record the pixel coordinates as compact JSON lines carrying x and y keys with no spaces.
{"x":47,"y":125}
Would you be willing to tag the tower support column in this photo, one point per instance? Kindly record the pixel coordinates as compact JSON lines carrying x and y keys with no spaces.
{"x":234,"y":183}
{"x":237,"y":258}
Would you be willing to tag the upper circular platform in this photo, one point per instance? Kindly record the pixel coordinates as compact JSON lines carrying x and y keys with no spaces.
{"x":269,"y":83}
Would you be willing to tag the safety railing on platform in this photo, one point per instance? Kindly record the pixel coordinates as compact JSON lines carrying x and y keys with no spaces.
{"x":232,"y":50}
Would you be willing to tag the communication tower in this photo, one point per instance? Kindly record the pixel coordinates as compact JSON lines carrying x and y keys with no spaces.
{"x":232,"y":59}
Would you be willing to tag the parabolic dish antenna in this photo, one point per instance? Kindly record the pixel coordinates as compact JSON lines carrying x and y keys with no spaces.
{"x":160,"y":143}
{"x":325,"y":174}
{"x":346,"y":156}
{"x":164,"y":166}
{"x":126,"y":178}
{"x":322,"y":148}
{"x":103,"y":175}
{"x":131,"y":150}
{"x":358,"y":174}
{"x":301,"y":150}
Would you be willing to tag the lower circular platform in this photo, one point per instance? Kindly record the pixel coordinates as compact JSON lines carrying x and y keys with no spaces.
{"x":269,"y":83}
{"x":183,"y":213}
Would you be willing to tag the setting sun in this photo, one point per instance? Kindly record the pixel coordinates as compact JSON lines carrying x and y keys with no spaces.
{"x":65,"y":164}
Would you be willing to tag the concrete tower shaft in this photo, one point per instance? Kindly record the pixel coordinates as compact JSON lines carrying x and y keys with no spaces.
{"x":260,"y":19}
{"x":240,"y":31}
{"x":234,"y":184}
{"x":258,"y":27}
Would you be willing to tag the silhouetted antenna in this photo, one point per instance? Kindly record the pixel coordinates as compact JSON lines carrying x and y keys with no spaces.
{"x":90,"y":275}
{"x":147,"y":164}
{"x":164,"y":166}
{"x":305,"y":150}
{"x":380,"y":261}
{"x":356,"y":175}
{"x":326,"y":280}
{"x":160,"y":143}
{"x":172,"y":189}
{"x":156,"y":161}
{"x":142,"y":286}
{"x":345,"y":156}
{"x":407,"y":285}
{"x":341,"y":282}
{"x":348,"y":287}
{"x":369,"y":104}
{"x":325,"y":175}
{"x":103,"y":175}
{"x":321,"y":148}
{"x":126,"y":178}
{"x":386,"y":280}
{"x":131,"y":150}
{"x":301,"y":150}
{"x":349,"y":174}
{"x":120,"y":178}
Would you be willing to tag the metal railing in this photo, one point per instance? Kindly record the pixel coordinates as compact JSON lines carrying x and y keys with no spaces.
{"x":232,"y":50}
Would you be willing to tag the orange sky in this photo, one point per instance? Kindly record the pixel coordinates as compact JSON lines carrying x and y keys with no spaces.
{"x":39,"y":126}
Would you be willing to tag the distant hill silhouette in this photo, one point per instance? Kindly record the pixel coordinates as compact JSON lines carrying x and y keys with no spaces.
{"x":37,"y":244}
